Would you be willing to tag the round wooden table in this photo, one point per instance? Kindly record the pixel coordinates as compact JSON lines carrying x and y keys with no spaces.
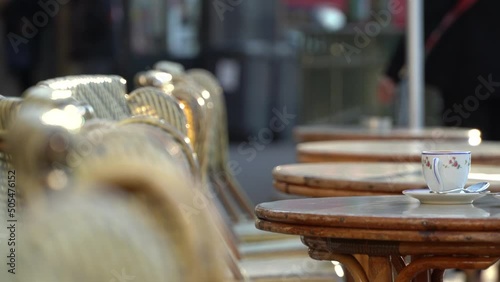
{"x":488,"y":152}
{"x":374,"y":235}
{"x":363,"y":179}
{"x":309,"y":133}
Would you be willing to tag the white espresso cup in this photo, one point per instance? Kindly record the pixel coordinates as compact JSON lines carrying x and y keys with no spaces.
{"x":446,"y":170}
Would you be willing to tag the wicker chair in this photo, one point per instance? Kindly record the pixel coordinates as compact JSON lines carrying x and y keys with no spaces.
{"x":196,"y":110}
{"x":141,"y":145}
{"x":152,"y":102}
{"x":155,"y":150}
{"x":122,"y":220}
{"x":143,"y":135}
{"x":218,"y":168}
{"x":105,"y":93}
{"x":39,"y":137}
{"x":261,"y":269}
{"x":9,"y":108}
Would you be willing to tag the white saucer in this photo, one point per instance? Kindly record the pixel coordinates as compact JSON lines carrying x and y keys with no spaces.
{"x":426,"y":197}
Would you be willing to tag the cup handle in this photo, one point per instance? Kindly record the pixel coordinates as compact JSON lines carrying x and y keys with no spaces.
{"x":435,"y":168}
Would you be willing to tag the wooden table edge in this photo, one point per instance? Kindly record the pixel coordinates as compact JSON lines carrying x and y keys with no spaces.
{"x":426,"y":236}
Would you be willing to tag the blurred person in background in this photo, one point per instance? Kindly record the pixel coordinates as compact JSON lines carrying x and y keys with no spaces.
{"x":462,"y":39}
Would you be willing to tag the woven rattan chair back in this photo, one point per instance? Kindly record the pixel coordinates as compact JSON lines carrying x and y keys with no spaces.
{"x":198,"y":114}
{"x":219,"y":170}
{"x":105,"y":93}
{"x":168,"y":83}
{"x":190,"y":101}
{"x":9,"y":107}
{"x":152,"y":102}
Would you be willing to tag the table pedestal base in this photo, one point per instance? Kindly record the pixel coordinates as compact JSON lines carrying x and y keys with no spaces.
{"x":384,"y":262}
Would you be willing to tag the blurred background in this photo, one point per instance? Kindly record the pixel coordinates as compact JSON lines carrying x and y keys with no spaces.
{"x":301,"y":61}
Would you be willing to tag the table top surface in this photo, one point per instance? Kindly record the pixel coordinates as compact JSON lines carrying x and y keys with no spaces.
{"x":391,"y":150}
{"x":374,"y":177}
{"x":383,"y":218}
{"x":326,"y":132}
